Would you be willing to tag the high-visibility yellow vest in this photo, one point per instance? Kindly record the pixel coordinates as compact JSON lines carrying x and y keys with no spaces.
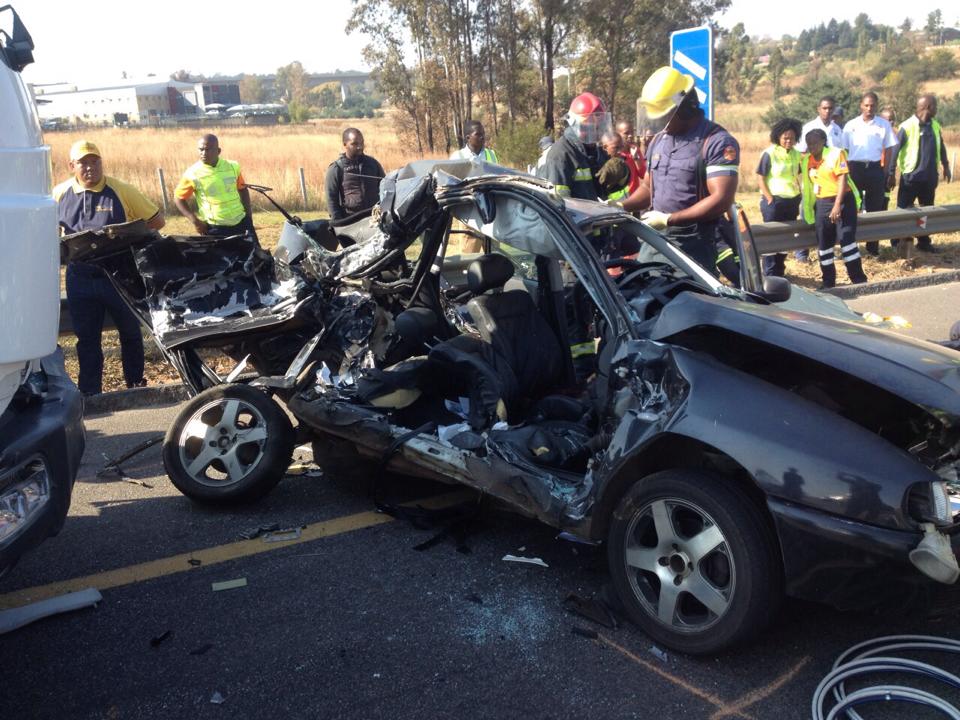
{"x":620,"y":194}
{"x":910,"y":152}
{"x":809,"y":198}
{"x":465,"y":153}
{"x":218,"y":201}
{"x":782,"y":179}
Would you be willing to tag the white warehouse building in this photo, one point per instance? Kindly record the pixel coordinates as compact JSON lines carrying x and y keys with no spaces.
{"x":129,"y":102}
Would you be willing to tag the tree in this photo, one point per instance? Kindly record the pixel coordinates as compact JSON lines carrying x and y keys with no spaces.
{"x":738,"y":74}
{"x":555,"y":21}
{"x":624,"y":40}
{"x":181,"y":76}
{"x":775,"y":69}
{"x":934,"y":27}
{"x":906,"y":26}
{"x":252,"y":90}
{"x":291,"y":83}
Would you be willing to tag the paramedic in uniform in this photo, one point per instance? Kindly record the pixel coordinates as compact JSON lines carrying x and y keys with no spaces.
{"x":692,"y":170}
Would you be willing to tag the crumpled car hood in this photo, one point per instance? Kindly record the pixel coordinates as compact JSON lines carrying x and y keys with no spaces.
{"x":922,"y":373}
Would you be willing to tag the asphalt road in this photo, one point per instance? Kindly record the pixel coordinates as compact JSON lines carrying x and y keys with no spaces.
{"x":352,"y":621}
{"x":931,"y":311}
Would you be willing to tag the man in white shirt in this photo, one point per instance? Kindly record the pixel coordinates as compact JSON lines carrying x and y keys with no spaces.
{"x":823,"y":121}
{"x":475,"y":148}
{"x":869,"y":141}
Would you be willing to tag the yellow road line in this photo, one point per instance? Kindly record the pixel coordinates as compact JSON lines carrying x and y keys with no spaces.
{"x":214,"y":555}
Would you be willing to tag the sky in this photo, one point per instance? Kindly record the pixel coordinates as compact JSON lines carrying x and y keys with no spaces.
{"x":79,"y":42}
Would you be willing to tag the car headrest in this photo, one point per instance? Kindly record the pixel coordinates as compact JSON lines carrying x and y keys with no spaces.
{"x":488,"y":272}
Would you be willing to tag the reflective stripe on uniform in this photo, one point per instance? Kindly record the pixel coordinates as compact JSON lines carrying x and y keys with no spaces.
{"x":582,"y":174}
{"x":725,"y":169}
{"x":584,"y":348}
{"x":724,"y":254}
{"x":562,"y":190}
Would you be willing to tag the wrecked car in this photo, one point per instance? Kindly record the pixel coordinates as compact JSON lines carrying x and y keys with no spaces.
{"x":729,"y":446}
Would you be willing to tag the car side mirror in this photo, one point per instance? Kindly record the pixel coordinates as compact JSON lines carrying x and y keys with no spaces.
{"x":776,"y":289}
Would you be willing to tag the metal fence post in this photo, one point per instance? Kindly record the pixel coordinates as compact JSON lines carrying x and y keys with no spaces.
{"x":303,"y":189}
{"x":163,"y":190}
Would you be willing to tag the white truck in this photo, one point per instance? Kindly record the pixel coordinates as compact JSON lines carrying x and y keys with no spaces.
{"x":41,"y":410}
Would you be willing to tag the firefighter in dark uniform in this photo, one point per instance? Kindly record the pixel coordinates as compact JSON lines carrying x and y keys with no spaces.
{"x":573,"y":161}
{"x":692,"y":172}
{"x":572,"y":164}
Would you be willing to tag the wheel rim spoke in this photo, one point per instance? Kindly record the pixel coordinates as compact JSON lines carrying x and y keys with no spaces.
{"x":233,"y":465}
{"x":703,"y":543}
{"x":642,"y":558}
{"x":706,"y":593}
{"x":202,"y":461}
{"x":254,"y":434}
{"x":230,"y":410}
{"x":662,"y":522}
{"x":667,"y":603}
{"x":196,"y":428}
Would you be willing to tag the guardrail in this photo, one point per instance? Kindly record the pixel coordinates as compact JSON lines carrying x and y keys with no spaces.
{"x":783,"y":237}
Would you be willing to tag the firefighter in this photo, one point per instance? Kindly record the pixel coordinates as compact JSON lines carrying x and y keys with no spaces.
{"x":692,"y":172}
{"x":573,"y":161}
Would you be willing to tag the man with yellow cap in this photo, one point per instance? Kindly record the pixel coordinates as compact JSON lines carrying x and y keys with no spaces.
{"x":91,"y":200}
{"x":692,"y":171}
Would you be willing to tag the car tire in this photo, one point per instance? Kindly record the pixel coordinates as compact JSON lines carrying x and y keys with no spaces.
{"x":694,"y":561}
{"x":230,"y":444}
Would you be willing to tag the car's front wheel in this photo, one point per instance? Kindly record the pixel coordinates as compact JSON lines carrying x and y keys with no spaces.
{"x":694,"y":561}
{"x":229,"y":444}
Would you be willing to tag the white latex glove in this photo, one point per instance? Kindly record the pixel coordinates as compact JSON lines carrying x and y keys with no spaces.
{"x":655,"y":219}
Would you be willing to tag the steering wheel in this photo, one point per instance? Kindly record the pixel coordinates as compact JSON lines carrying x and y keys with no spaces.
{"x":633,"y":268}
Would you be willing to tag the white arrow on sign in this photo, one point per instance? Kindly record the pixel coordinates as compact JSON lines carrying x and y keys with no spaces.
{"x":689,"y":65}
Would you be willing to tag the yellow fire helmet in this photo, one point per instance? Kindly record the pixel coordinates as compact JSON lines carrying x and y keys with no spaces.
{"x":663,"y":91}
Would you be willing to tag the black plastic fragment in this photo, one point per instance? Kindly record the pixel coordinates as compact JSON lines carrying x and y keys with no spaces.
{"x":155,"y":642}
{"x":584,"y":632}
{"x":592,"y":609}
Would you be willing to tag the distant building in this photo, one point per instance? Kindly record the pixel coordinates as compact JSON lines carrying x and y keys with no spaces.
{"x":128,"y":102}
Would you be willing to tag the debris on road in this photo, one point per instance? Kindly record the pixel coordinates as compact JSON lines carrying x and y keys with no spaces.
{"x":658,"y":653}
{"x":229,"y":584}
{"x":18,"y":617}
{"x":255,"y":532}
{"x":195,"y":561}
{"x":592,"y":609}
{"x":113,"y":465}
{"x":155,"y":641}
{"x":570,"y":537}
{"x":217,"y":698}
{"x":283,"y":535}
{"x":202,"y":649}
{"x":474,"y":598}
{"x":527,"y":560}
{"x":134,"y":481}
{"x":584,"y":632}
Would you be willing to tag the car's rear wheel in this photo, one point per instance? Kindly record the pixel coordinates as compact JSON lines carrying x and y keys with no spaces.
{"x":693,"y":561}
{"x":229,"y":444}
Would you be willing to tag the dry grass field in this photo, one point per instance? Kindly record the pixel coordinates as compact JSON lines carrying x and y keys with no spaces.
{"x":269,"y":155}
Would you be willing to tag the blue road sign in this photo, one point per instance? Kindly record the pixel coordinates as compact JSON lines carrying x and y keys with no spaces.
{"x":691,"y":52}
